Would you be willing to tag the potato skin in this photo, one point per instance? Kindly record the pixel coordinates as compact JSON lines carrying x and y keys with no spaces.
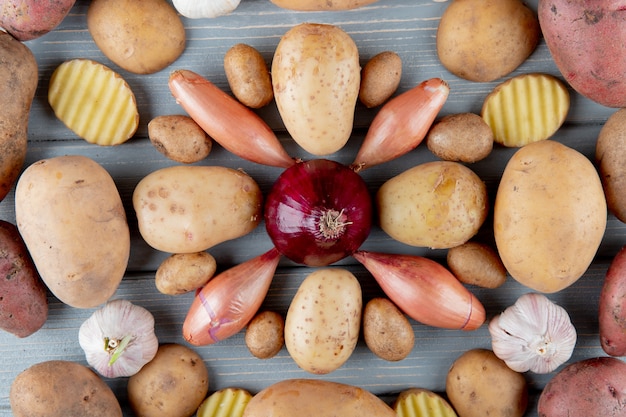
{"x":610,"y":157}
{"x":181,"y":273}
{"x":549,"y":215}
{"x":31,"y":19}
{"x":463,"y":137}
{"x":386,"y":330}
{"x":24,"y":301}
{"x":589,"y":387}
{"x":321,"y":5}
{"x":19,"y":77}
{"x":315,"y":398}
{"x":612,"y":307}
{"x":179,"y":138}
{"x":248,"y":76}
{"x":380,"y":78}
{"x":81,"y":242}
{"x":265,"y":334}
{"x":477,"y":263}
{"x":58,"y":388}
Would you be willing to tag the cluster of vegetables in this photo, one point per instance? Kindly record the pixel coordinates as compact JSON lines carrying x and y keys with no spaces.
{"x":549,"y":215}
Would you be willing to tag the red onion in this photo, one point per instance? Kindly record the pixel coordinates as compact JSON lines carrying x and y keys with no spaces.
{"x":318,"y":212}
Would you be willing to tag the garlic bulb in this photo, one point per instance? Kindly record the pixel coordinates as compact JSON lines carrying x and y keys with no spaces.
{"x":533,"y":334}
{"x":197,"y":9}
{"x":118,"y":339}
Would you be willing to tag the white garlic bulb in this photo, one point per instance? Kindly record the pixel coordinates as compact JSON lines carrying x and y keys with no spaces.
{"x":534,"y":334}
{"x":118,"y":339}
{"x":198,"y":9}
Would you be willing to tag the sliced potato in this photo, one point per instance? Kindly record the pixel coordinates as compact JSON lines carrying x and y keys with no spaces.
{"x":420,"y":402}
{"x":227,"y":402}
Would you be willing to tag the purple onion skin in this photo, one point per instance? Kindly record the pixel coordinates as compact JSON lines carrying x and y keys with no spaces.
{"x":318,"y":212}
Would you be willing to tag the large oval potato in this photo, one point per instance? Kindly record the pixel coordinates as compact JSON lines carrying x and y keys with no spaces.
{"x":315,"y":398}
{"x":549,"y":215}
{"x":323,"y":321}
{"x":439,"y":204}
{"x":80,"y":240}
{"x":58,"y":388}
{"x":316,"y":77}
{"x":185,"y":209}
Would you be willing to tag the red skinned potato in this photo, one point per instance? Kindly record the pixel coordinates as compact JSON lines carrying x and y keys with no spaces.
{"x":23,"y":296}
{"x":580,"y":36}
{"x":612,"y":307}
{"x":30,"y":19}
{"x":589,"y":387}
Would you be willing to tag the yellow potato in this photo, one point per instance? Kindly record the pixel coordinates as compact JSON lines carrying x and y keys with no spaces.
{"x":71,"y":217}
{"x":420,"y":402}
{"x":439,"y":204}
{"x":190,"y":208}
{"x":181,"y":273}
{"x":610,"y":157}
{"x":316,"y":77}
{"x":550,"y":215}
{"x":227,"y":402}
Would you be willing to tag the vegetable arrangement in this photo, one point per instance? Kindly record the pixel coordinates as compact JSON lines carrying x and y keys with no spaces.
{"x":320,"y":212}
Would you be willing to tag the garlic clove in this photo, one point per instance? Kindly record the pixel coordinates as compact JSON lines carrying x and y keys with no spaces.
{"x":198,"y":9}
{"x":534,"y":334}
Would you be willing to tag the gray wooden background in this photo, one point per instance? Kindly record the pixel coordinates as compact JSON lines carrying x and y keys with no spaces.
{"x":407,"y":27}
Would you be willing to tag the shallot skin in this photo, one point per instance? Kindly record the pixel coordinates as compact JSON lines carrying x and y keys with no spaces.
{"x":424,"y":289}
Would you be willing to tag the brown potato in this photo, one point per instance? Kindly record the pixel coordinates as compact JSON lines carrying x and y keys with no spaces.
{"x":320,"y":5}
{"x":265,"y":334}
{"x":380,"y":78}
{"x":483,"y":40}
{"x":59,"y":388}
{"x":480,"y":384}
{"x":478,"y":264}
{"x":610,"y":157}
{"x":181,"y":273}
{"x":142,"y":37}
{"x":387,"y":331}
{"x":462,"y":137}
{"x":179,"y":138}
{"x":248,"y":76}
{"x":174,"y":383}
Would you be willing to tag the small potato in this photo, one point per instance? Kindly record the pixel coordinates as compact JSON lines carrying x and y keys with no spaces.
{"x":265,"y":334}
{"x":610,"y":157}
{"x":387,"y":332}
{"x":462,"y":137}
{"x":323,"y":321}
{"x":611,"y":308}
{"x":174,"y":383}
{"x":439,"y":204}
{"x":420,"y":402}
{"x":248,"y":76}
{"x":478,"y":264}
{"x":142,"y":37}
{"x":483,"y":40}
{"x":380,"y":78}
{"x":58,"y":388}
{"x":191,"y":208}
{"x":179,"y":138}
{"x":479,"y":384}
{"x":181,"y":273}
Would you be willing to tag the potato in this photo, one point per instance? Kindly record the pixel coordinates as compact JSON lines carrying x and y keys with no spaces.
{"x":323,"y":320}
{"x":265,"y":334}
{"x":479,"y":384}
{"x":248,"y":76}
{"x":316,"y":78}
{"x":80,"y":243}
{"x":59,"y":388}
{"x":142,"y":37}
{"x":186,"y":209}
{"x":31,"y":19}
{"x":380,"y":78}
{"x":24,"y":306}
{"x":549,"y":215}
{"x":174,"y":383}
{"x":181,"y":273}
{"x":179,"y":138}
{"x":420,"y":402}
{"x":611,"y":309}
{"x":19,"y":77}
{"x":580,"y":38}
{"x":315,"y":398}
{"x":386,"y":330}
{"x":321,"y":5}
{"x":439,"y":204}
{"x":589,"y":387}
{"x":483,"y":40}
{"x":478,"y":264}
{"x":227,"y":402}
{"x":460,"y":137}
{"x":610,"y":154}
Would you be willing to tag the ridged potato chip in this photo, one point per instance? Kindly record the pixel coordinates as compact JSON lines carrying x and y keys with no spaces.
{"x":93,"y":101}
{"x":526,"y":108}
{"x":227,"y":402}
{"x":420,"y":402}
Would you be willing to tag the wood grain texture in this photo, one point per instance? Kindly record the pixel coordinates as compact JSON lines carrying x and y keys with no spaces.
{"x":407,"y":27}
